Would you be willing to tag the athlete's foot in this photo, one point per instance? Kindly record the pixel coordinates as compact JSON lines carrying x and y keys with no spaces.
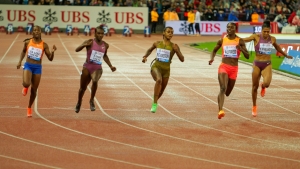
{"x":92,"y":105}
{"x":77,"y":108}
{"x":263,"y":90}
{"x":254,"y":111}
{"x":24,"y":91}
{"x":154,"y":107}
{"x":221,"y":114}
{"x":29,"y":113}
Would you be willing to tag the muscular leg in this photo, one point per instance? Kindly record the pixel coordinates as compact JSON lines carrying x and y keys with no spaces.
{"x":84,"y":81}
{"x":27,"y":78}
{"x":35,"y":81}
{"x":223,"y":81}
{"x":267,"y":76}
{"x":255,"y":83}
{"x":95,"y":78}
{"x":164,"y":84}
{"x":158,"y":83}
{"x":230,"y":85}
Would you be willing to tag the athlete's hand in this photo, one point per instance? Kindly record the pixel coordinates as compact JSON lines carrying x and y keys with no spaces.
{"x":289,"y":57}
{"x":88,"y":42}
{"x":144,"y":59}
{"x":19,"y":65}
{"x":210,"y":62}
{"x":238,"y":47}
{"x":112,"y":68}
{"x":54,"y":48}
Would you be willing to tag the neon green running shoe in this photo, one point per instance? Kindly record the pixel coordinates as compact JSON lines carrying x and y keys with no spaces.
{"x":154,"y":107}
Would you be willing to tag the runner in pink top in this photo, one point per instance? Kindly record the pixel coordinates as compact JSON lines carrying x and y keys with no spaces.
{"x":92,"y":68}
{"x":262,"y":66}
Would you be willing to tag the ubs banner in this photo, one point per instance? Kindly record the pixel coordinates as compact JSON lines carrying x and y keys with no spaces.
{"x":206,"y":27}
{"x":291,"y":65}
{"x":77,"y":16}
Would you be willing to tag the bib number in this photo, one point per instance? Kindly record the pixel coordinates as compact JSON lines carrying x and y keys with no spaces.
{"x":265,"y":48}
{"x":230,"y":51}
{"x":163,"y":55}
{"x":96,"y":57}
{"x":34,"y":53}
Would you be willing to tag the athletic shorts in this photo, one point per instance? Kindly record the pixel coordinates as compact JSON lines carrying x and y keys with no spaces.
{"x":163,"y":68}
{"x":231,"y":71}
{"x":33,"y":68}
{"x":91,"y":67}
{"x":261,"y":64}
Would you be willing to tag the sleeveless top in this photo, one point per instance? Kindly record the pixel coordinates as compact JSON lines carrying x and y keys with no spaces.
{"x":35,"y":51}
{"x":163,"y":52}
{"x":96,"y":52}
{"x":264,"y":46}
{"x":229,"y":49}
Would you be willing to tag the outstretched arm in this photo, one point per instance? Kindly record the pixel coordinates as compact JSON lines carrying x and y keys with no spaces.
{"x":178,"y":52}
{"x":148,"y":52}
{"x":277,"y":47}
{"x":214,"y":52}
{"x":249,"y":39}
{"x":23,"y":53}
{"x":242,"y":47}
{"x":106,"y":59}
{"x":86,"y":43}
{"x":50,"y":55}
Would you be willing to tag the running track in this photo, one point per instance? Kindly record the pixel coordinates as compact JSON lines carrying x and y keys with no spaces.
{"x":122,"y":133}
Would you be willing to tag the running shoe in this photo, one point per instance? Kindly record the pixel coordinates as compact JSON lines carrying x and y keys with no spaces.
{"x":77,"y":108}
{"x":24,"y":91}
{"x":92,"y":105}
{"x":263,"y":90}
{"x":254,"y":111}
{"x":154,"y":107}
{"x":29,"y":113}
{"x":221,"y":114}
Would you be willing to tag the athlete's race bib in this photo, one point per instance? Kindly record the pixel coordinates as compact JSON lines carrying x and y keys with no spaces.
{"x":163,"y":55}
{"x":230,"y":51}
{"x":265,"y":48}
{"x":35,"y":53}
{"x":96,"y":57}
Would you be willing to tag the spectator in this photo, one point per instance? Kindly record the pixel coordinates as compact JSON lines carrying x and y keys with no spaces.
{"x":232,"y":16}
{"x":154,"y":19}
{"x":197,"y":22}
{"x":281,"y":21}
{"x":174,"y":15}
{"x":209,"y":14}
{"x":191,"y":20}
{"x":166,"y":15}
{"x":254,"y":17}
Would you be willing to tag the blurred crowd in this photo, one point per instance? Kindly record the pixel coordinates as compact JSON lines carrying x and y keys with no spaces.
{"x":283,"y":12}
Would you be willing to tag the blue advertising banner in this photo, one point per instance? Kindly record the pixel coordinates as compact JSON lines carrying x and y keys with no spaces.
{"x":291,"y":65}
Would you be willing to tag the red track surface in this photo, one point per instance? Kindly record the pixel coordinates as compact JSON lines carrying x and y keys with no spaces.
{"x":122,"y":133}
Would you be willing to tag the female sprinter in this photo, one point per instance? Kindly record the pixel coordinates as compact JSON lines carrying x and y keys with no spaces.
{"x":34,"y":48}
{"x":96,"y":50}
{"x":263,"y":44}
{"x":231,"y":45}
{"x":160,"y":70}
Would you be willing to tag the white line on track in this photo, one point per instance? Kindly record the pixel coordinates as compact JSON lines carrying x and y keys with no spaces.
{"x":9,"y":47}
{"x":29,"y":162}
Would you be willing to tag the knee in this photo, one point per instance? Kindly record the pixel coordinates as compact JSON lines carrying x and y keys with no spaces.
{"x":158,"y":81}
{"x":254,"y":87}
{"x":222,"y":89}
